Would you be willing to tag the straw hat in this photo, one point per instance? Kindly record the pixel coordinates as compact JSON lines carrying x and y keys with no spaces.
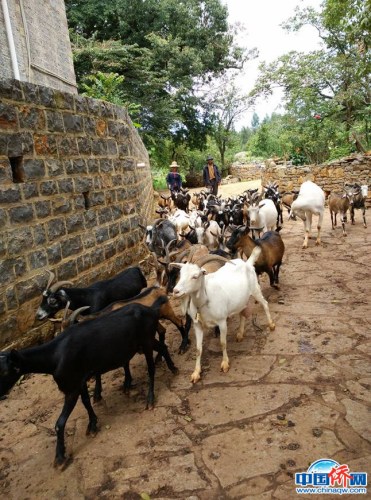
{"x":174,"y":165}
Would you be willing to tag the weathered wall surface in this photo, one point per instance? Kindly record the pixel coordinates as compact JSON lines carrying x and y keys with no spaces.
{"x":41,"y":41}
{"x":74,"y":183}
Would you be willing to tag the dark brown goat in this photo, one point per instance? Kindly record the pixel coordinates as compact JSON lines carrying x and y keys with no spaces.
{"x":272,"y":250}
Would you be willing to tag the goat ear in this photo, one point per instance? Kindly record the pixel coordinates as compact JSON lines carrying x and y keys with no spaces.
{"x":179,"y":265}
{"x":203,"y":271}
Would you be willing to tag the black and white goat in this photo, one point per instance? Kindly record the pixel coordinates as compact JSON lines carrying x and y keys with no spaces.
{"x":97,"y":296}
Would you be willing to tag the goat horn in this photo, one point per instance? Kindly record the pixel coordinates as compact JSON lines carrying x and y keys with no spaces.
{"x":65,"y":311}
{"x":54,"y":288}
{"x":72,"y":319}
{"x":50,"y":280}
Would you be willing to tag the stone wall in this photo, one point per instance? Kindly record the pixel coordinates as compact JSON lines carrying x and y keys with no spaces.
{"x":75,"y":182}
{"x":331,"y":176}
{"x":245,"y":171}
{"x":42,"y":44}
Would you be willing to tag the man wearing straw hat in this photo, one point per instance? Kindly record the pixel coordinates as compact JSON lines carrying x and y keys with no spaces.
{"x":173,"y":178}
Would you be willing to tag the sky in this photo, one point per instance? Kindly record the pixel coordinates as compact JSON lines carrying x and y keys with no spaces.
{"x":261,"y":20}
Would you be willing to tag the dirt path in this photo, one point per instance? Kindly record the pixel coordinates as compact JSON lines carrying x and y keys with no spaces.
{"x":291,"y":397}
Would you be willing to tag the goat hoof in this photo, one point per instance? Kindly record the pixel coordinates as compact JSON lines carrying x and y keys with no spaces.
{"x":224,"y":366}
{"x":92,"y":430}
{"x":272,"y":326}
{"x":150,"y":406}
{"x":62,"y":463}
{"x":174,"y":370}
{"x":239,"y":338}
{"x":195,"y":377}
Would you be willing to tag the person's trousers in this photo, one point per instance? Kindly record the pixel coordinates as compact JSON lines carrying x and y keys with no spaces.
{"x":214,"y":186}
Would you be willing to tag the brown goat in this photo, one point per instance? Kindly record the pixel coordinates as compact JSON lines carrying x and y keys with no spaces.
{"x":272,"y":250}
{"x":339,"y":203}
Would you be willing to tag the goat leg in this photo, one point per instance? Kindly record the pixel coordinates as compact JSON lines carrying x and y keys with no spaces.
{"x":161,"y":330}
{"x":151,"y":379}
{"x":70,"y":401}
{"x":92,"y":425}
{"x":162,"y":349}
{"x":127,"y":385}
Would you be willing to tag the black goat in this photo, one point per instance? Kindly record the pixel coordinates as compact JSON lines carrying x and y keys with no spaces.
{"x":96,"y":346}
{"x":354,"y":192}
{"x":97,"y":296}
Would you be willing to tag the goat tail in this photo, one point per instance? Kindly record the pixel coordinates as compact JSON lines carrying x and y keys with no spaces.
{"x":255,"y":254}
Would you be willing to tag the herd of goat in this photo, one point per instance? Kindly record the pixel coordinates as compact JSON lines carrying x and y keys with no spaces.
{"x":209,"y":257}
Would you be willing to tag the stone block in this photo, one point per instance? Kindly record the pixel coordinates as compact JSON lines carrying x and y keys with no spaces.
{"x":18,"y":240}
{"x":48,"y":188}
{"x":39,"y":235}
{"x":30,"y":93}
{"x":72,"y":122}
{"x":83,"y":184}
{"x":19,"y":144}
{"x":7,"y":271}
{"x":33,"y":169}
{"x":97,"y":256}
{"x":93,"y":166}
{"x":111,"y":147}
{"x":67,"y":146}
{"x":54,"y":121}
{"x":84,"y":145}
{"x":54,"y":254}
{"x":109,"y":250}
{"x":105,"y":165}
{"x":114,"y":230}
{"x":81,"y":104}
{"x":89,"y":126}
{"x":55,"y":229}
{"x":67,"y":270}
{"x":29,"y":190}
{"x":5,"y":171}
{"x":54,"y":167}
{"x":45,"y":144}
{"x":100,"y":127}
{"x":10,"y":195}
{"x":74,"y":222}
{"x":90,"y":219}
{"x":31,"y":118}
{"x":65,"y":185}
{"x":97,"y":198}
{"x":99,"y":147}
{"x":21,"y":214}
{"x":64,"y":100}
{"x":8,"y":117}
{"x":101,"y":234}
{"x":37,"y":259}
{"x":11,"y":300}
{"x":47,"y":97}
{"x":77,"y":167}
{"x":104,"y":215}
{"x":42,"y":209}
{"x":27,"y":290}
{"x":71,"y":246}
{"x":11,"y":89}
{"x":61,"y":205}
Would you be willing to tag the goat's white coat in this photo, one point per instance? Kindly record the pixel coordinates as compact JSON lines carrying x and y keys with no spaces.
{"x":210,"y":299}
{"x":209,"y":236}
{"x":310,"y":201}
{"x":263,"y":215}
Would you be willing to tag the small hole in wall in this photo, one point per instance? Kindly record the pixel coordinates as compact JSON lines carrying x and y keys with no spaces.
{"x":86,"y":199}
{"x":16,"y":164}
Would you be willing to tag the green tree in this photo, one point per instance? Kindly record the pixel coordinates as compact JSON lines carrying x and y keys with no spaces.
{"x":332,"y":83}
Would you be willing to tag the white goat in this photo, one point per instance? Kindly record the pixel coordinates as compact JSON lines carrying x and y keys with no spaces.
{"x":210,"y":299}
{"x":208,"y":234}
{"x":181,"y":220}
{"x":263,"y":216}
{"x":310,"y":201}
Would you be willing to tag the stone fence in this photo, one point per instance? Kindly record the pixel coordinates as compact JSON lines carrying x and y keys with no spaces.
{"x":75,"y":182}
{"x":331,"y":176}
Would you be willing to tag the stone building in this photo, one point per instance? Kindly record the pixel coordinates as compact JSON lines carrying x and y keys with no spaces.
{"x":35,"y":45}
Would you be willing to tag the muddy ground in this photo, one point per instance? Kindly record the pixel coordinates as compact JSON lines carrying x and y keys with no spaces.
{"x":291,"y":397}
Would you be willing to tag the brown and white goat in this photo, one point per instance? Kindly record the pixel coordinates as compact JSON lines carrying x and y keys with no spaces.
{"x":339,"y":203}
{"x":272,"y":250}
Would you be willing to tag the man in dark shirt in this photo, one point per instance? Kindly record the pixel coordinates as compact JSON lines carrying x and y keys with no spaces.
{"x":211,"y":175}
{"x":173,"y":178}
